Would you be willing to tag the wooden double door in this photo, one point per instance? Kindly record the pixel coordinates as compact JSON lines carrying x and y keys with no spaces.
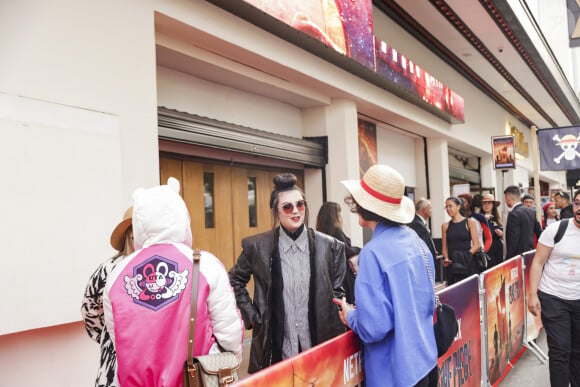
{"x":226,"y":203}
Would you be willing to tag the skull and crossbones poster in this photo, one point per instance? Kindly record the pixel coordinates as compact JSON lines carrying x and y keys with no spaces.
{"x":559,"y":150}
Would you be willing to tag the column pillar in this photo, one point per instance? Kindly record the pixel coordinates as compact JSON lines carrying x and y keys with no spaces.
{"x":338,"y":121}
{"x":438,"y":161}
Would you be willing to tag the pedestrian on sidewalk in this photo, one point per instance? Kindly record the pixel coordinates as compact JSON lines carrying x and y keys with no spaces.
{"x":555,"y":295}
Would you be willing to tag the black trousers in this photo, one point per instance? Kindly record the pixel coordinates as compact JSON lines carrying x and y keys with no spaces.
{"x":561,"y":319}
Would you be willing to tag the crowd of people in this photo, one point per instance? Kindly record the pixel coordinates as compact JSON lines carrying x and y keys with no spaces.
{"x":311,"y":285}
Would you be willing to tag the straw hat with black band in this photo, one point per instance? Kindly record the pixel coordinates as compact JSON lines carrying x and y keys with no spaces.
{"x":381,"y":191}
{"x":118,"y":235}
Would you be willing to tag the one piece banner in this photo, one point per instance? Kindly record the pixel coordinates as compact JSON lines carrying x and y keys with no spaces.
{"x":558,"y":148}
{"x":337,"y":362}
{"x":533,"y":323}
{"x":461,"y":364}
{"x":505,"y":315}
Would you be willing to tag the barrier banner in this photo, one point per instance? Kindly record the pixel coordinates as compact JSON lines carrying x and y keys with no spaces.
{"x":505,"y":315}
{"x":337,"y":362}
{"x":461,"y":364}
{"x":533,"y":323}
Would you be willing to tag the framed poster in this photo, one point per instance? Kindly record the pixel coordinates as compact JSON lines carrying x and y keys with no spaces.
{"x":367,"y":145}
{"x":504,"y":153}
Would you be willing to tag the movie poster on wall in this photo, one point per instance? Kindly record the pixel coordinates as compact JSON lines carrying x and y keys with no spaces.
{"x":367,"y":146}
{"x":504,"y":291}
{"x":503,"y":150}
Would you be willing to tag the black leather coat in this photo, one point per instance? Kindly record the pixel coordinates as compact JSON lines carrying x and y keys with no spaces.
{"x":265,"y":313}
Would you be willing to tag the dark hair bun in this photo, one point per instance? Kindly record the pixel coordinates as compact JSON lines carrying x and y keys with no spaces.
{"x":284,"y":181}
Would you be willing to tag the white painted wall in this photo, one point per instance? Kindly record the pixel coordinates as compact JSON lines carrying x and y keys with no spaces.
{"x":51,"y":177}
{"x":59,"y":356}
{"x":67,"y":182}
{"x":79,"y":134}
{"x":189,"y":94}
{"x":397,"y":151}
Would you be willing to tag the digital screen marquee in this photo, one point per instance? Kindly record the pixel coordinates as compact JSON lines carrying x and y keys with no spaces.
{"x":346,"y":26}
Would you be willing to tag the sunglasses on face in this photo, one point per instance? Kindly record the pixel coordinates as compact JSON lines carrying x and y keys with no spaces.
{"x":288,"y":208}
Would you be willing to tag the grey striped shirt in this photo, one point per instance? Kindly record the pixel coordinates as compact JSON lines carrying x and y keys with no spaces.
{"x":295,"y":263}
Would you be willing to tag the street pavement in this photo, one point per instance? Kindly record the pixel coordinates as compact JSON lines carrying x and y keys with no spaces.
{"x":528,"y":370}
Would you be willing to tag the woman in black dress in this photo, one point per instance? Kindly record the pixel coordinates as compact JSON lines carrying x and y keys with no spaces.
{"x":460,"y":242}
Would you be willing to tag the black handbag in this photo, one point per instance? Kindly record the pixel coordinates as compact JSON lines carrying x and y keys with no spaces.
{"x":481,"y":261}
{"x":445,"y":326}
{"x":215,"y":370}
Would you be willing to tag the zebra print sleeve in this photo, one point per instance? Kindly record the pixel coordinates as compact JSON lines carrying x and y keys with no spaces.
{"x":92,"y":305}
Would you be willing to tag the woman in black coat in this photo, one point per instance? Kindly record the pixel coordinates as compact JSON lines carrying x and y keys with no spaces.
{"x":297,"y":271}
{"x":490,"y":210}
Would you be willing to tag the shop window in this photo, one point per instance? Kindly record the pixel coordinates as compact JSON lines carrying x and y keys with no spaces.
{"x":208,"y":199}
{"x":252,"y":210}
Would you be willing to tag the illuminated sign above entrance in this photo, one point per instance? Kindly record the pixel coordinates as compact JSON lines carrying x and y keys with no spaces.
{"x":346,"y":28}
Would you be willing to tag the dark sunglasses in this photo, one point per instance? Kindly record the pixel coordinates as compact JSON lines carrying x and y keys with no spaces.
{"x":288,"y":208}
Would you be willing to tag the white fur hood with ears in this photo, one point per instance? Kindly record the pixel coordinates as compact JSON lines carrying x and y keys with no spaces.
{"x":160,"y":216}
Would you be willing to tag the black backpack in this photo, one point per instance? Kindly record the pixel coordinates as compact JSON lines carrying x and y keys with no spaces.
{"x":561,"y":230}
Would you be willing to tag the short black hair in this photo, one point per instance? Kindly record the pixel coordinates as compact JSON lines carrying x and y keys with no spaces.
{"x":528,"y":196}
{"x":512,"y":190}
{"x":563,"y":194}
{"x":368,"y":215}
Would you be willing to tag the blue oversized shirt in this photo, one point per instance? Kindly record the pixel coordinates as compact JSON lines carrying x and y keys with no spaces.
{"x":394,"y":308}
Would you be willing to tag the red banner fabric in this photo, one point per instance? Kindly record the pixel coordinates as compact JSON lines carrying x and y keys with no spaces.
{"x":337,"y":362}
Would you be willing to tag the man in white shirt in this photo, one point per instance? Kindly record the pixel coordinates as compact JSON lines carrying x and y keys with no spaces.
{"x":555,"y":294}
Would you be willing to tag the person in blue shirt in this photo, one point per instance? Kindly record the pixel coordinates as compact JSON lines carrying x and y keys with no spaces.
{"x":394,"y":292}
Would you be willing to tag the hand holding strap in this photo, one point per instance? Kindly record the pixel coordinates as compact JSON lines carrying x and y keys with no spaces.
{"x":193,"y":312}
{"x":428,"y":266}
